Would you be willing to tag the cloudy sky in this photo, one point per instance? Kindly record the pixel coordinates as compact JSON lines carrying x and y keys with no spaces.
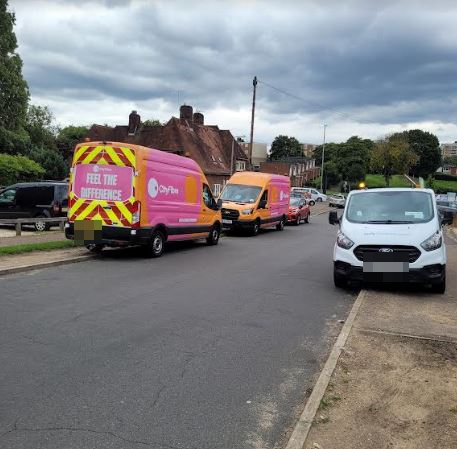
{"x":363,"y":67}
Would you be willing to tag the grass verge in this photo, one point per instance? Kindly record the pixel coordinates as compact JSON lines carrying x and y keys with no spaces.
{"x":29,"y":247}
{"x":373,"y":181}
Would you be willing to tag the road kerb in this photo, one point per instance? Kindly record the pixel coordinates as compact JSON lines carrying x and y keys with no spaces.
{"x":298,"y":438}
{"x":23,"y":268}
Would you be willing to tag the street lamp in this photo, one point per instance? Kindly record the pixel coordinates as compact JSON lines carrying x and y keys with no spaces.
{"x":323,"y":157}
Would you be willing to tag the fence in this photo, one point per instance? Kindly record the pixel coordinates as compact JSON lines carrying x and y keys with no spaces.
{"x":18,"y":222}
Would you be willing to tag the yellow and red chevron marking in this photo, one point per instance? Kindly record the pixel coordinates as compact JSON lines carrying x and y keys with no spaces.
{"x":109,"y":212}
{"x":105,"y":154}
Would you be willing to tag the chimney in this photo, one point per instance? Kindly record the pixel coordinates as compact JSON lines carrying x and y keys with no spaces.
{"x":186,"y":113}
{"x":134,"y":123}
{"x":199,"y":119}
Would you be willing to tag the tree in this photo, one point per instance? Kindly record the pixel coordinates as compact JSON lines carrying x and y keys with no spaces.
{"x":18,"y":168}
{"x":284,"y":146}
{"x":451,"y":160}
{"x":153,"y":122}
{"x":68,"y":137}
{"x":53,"y":162}
{"x":392,"y":155}
{"x":14,"y":93}
{"x":427,"y":147}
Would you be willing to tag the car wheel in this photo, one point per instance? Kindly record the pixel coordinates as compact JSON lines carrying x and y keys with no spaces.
{"x":156,"y":245}
{"x":440,"y":288}
{"x":213,"y":237}
{"x":255,"y":228}
{"x":97,"y":248}
{"x":280,"y":225}
{"x":319,"y":200}
{"x":339,"y":281}
{"x":41,"y":226}
{"x":312,"y":203}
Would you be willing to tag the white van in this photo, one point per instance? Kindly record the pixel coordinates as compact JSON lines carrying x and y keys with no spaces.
{"x":390,"y":235}
{"x":316,"y":196}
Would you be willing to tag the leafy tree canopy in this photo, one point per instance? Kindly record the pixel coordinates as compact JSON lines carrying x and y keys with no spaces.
{"x":427,"y":148}
{"x":14,"y":93}
{"x":18,"y":168}
{"x":284,"y":146}
{"x":68,"y":137}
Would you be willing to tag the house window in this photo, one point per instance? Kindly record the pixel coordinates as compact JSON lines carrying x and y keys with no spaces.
{"x":217,"y":189}
{"x":240,"y":165}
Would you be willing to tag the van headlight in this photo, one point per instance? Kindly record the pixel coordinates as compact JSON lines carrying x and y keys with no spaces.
{"x":433,"y":242}
{"x":247,"y":211}
{"x":343,"y":242}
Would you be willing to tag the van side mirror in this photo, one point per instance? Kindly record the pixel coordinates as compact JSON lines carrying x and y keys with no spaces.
{"x":333,"y":217}
{"x":219,"y":203}
{"x":262,"y":204}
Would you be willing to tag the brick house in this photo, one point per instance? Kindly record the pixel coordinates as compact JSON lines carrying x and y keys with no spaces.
{"x":187,"y":135}
{"x":300,"y":169}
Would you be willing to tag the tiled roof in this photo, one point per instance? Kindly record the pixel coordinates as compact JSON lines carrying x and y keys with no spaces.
{"x":209,"y":146}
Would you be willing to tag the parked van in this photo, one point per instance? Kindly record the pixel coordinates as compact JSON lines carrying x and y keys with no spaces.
{"x":315,"y":195}
{"x":123,"y":194}
{"x":253,"y":200}
{"x":390,"y":235}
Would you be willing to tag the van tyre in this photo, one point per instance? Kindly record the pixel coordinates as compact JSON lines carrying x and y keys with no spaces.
{"x":319,"y":200}
{"x":156,"y":245}
{"x":214,"y":235}
{"x":41,"y":226}
{"x":280,"y":225}
{"x":339,"y":281}
{"x":255,"y":228}
{"x":312,"y":203}
{"x":440,"y":288}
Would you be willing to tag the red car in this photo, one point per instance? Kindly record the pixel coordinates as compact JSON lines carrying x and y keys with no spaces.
{"x":298,"y":211}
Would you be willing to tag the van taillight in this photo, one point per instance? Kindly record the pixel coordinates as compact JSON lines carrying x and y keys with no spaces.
{"x":136,"y":214}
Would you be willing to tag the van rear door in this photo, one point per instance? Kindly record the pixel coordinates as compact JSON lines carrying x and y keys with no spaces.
{"x":103,"y":186}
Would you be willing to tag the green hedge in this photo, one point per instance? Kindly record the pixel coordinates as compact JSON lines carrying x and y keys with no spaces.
{"x":445,"y":177}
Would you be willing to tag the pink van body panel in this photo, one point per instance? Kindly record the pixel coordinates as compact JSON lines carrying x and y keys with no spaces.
{"x":173,"y":192}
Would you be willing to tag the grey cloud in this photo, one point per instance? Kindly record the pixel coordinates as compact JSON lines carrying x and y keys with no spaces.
{"x":391,"y":63}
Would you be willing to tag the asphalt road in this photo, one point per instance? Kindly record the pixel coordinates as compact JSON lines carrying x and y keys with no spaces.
{"x":207,"y":347}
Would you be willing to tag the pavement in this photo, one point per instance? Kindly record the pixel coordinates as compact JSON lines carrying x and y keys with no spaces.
{"x":31,"y":237}
{"x":206,"y":347}
{"x":395,"y":384}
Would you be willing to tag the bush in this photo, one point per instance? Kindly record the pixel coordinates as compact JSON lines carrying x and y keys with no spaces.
{"x":18,"y":168}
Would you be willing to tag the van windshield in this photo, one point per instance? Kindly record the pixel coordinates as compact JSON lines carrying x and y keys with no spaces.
{"x":390,"y":207}
{"x":240,"y":193}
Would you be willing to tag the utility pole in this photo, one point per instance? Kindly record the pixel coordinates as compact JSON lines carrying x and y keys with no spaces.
{"x":254,"y":84}
{"x":323,"y":158}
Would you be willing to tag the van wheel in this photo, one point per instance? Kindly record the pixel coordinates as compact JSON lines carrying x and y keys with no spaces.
{"x":280,"y":225}
{"x":97,"y":248}
{"x":440,"y":288}
{"x":255,"y":228}
{"x":312,"y":203}
{"x":156,"y":245}
{"x":319,"y":200}
{"x":339,"y":281}
{"x":213,"y":237}
{"x":41,"y":226}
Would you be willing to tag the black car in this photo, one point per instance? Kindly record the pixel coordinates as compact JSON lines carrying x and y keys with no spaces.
{"x":45,"y":199}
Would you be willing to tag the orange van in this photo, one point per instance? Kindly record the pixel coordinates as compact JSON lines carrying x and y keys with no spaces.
{"x":123,"y":194}
{"x":253,"y":200}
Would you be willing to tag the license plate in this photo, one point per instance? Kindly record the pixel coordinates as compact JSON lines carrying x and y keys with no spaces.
{"x":385,"y":267}
{"x":226,"y":221}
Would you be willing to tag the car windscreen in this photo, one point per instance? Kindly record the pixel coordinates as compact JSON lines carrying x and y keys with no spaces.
{"x":390,"y":207}
{"x":240,"y":193}
{"x":296,"y":201}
